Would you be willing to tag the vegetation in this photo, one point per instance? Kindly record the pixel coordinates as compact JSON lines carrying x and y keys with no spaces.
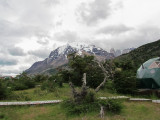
{"x":129,"y":111}
{"x":91,"y":104}
{"x":126,"y":67}
{"x":117,"y":76}
{"x":22,"y":82}
{"x":140,"y":55}
{"x":125,"y":80}
{"x":79,"y":65}
{"x":4,"y":91}
{"x":52,"y":83}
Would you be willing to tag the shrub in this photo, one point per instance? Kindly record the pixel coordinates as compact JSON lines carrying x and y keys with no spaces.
{"x":40,"y":78}
{"x":22,"y":82}
{"x":50,"y":86}
{"x":52,"y":83}
{"x":113,"y":106}
{"x":90,"y":104}
{"x":109,"y":85}
{"x":20,"y":96}
{"x":4,"y":91}
{"x":125,"y":83}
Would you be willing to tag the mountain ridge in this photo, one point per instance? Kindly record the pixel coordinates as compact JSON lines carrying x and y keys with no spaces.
{"x":141,"y":54}
{"x":58,"y":57}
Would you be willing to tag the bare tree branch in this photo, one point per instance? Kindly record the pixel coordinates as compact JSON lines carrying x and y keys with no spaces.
{"x":106,"y":74}
{"x":79,"y":96}
{"x":102,"y":84}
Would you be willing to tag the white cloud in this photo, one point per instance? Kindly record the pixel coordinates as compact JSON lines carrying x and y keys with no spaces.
{"x":114,"y":29}
{"x":29,"y":29}
{"x":91,"y":13}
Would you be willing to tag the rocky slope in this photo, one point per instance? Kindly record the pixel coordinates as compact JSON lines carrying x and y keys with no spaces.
{"x":58,"y":57}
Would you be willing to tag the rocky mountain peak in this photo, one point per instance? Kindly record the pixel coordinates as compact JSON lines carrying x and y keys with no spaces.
{"x":58,"y":57}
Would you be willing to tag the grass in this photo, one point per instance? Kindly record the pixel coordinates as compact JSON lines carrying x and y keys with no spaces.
{"x":35,"y":94}
{"x":130,"y":111}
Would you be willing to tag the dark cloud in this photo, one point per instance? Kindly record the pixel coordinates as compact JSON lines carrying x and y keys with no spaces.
{"x":16,"y":51}
{"x":95,"y":11}
{"x":114,"y":30}
{"x":66,"y":36}
{"x":41,"y":53}
{"x":6,"y":61}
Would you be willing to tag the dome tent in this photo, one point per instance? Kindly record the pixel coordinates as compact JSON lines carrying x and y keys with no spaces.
{"x":149,"y":74}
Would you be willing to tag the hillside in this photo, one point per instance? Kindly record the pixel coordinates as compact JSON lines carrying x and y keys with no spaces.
{"x":141,"y":54}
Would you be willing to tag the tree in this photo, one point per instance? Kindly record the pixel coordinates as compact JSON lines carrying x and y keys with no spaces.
{"x":23,"y":81}
{"x":4,"y":91}
{"x":79,"y":65}
{"x":107,"y":72}
{"x":125,"y":79}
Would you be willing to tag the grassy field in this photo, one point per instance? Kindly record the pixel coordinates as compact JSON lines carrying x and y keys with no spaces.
{"x":130,"y":111}
{"x":58,"y":94}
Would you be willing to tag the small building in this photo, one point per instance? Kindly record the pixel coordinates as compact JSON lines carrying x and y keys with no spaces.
{"x":149,"y":74}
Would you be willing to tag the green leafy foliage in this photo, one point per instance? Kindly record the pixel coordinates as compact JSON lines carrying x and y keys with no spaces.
{"x":52,"y":83}
{"x":111,"y":105}
{"x":124,"y":79}
{"x":79,"y":65}
{"x":91,"y":104}
{"x":40,"y":78}
{"x":22,"y":82}
{"x":140,"y":55}
{"x":4,"y":91}
{"x":125,"y":83}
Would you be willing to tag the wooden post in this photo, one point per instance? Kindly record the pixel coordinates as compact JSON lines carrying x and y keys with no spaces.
{"x":102,"y":112}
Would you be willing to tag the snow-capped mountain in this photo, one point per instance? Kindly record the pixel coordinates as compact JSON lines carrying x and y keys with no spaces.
{"x":58,"y":57}
{"x":79,"y":48}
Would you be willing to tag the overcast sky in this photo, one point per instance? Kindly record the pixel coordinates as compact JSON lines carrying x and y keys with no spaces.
{"x":30,"y":29}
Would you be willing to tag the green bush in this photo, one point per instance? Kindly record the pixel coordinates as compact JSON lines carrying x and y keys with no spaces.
{"x":4,"y":91}
{"x":113,"y":106}
{"x":91,"y":104}
{"x":125,"y":83}
{"x":110,"y":86}
{"x":40,"y":78}
{"x":22,"y":82}
{"x":52,"y":83}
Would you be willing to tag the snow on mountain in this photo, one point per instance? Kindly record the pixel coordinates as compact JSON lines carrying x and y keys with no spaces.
{"x":58,"y":57}
{"x":79,"y":48}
